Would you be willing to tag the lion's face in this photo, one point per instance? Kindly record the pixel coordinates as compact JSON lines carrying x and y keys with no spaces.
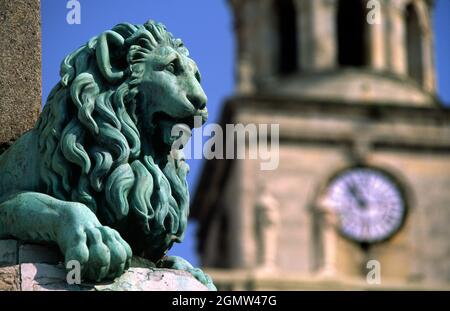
{"x":170,"y":92}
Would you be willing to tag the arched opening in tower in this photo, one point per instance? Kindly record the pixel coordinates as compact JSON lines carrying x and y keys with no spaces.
{"x":288,"y":52}
{"x":351,"y":24}
{"x":414,"y":44}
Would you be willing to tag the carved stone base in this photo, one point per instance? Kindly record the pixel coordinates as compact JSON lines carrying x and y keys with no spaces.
{"x":38,"y":268}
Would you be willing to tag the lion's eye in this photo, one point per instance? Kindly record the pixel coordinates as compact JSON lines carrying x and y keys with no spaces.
{"x":171,"y":67}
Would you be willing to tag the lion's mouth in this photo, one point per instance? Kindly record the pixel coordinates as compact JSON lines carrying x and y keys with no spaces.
{"x":172,"y":129}
{"x":162,"y":117}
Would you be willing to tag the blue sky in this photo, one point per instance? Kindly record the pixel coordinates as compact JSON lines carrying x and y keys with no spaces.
{"x":206,"y":29}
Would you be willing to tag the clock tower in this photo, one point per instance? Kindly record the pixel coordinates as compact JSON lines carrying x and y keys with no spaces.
{"x":360,"y":198}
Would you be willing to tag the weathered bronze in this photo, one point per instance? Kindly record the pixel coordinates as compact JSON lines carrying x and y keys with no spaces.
{"x":96,"y":175}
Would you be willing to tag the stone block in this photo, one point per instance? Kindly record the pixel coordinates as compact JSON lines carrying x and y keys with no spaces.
{"x":32,"y":253}
{"x":9,"y":278}
{"x":34,"y":267}
{"x":8,"y":252}
{"x":153,"y":279}
{"x":43,"y":277}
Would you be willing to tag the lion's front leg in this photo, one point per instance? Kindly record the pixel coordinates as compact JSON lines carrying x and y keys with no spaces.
{"x":100,"y":250}
{"x":179,"y":263}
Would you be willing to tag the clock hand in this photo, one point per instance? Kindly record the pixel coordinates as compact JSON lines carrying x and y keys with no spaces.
{"x":358,"y":197}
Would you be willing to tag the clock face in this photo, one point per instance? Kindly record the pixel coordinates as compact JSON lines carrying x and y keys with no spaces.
{"x":369,"y":205}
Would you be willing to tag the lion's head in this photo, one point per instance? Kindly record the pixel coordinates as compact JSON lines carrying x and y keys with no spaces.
{"x":104,"y":134}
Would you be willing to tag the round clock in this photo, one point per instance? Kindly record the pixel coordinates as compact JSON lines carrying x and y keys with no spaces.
{"x":369,"y":204}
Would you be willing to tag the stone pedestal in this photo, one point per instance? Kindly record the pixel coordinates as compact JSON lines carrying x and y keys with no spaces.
{"x":29,"y":267}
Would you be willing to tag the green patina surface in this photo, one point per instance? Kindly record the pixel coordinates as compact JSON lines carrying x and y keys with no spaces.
{"x":96,"y":175}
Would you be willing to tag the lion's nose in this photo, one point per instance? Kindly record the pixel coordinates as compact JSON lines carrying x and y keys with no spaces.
{"x":198,"y":100}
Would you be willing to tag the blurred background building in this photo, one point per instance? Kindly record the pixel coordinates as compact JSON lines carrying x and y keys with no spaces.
{"x":364,"y":172}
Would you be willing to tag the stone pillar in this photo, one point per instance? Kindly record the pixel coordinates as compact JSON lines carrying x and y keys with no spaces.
{"x":20,"y":67}
{"x":304,"y":9}
{"x":268,"y":228}
{"x":242,"y":240}
{"x":267,"y":44}
{"x":376,"y":37}
{"x":429,"y":74}
{"x":317,"y":35}
{"x":257,"y":43}
{"x":328,"y":221}
{"x":397,"y":39}
{"x":244,"y":26}
{"x":324,"y":34}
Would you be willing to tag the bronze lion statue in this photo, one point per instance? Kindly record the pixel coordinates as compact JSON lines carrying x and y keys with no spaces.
{"x":97,"y":175}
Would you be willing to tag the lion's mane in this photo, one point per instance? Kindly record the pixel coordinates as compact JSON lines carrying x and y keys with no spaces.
{"x":90,"y":144}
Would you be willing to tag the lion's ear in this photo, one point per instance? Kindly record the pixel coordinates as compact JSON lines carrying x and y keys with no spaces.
{"x":108,"y":53}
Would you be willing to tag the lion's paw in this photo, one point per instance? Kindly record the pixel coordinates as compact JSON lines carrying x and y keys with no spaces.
{"x":179,"y":263}
{"x":203,"y":278}
{"x":101,"y":252}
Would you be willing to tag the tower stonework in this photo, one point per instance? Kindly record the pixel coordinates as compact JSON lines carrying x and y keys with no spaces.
{"x":364,"y":153}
